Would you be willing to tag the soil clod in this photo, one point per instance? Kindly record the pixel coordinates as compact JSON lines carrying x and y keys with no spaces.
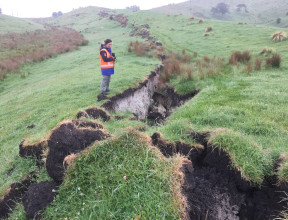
{"x":37,"y":198}
{"x":66,"y":139}
{"x":94,"y":113}
{"x":87,"y":124}
{"x":31,"y":126}
{"x":101,"y":97}
{"x":32,"y":150}
{"x":12,"y":197}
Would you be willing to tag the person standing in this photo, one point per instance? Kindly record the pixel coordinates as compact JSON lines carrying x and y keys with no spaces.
{"x":107,"y":60}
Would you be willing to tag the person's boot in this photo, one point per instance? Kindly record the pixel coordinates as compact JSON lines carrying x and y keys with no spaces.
{"x":102,"y":96}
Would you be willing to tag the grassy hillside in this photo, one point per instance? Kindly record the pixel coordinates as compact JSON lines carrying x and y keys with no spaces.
{"x":57,"y":88}
{"x":259,"y":12}
{"x":245,"y":111}
{"x":16,"y":25}
{"x":238,"y":101}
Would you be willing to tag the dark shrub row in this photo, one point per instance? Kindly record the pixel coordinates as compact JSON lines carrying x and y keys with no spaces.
{"x":38,"y":45}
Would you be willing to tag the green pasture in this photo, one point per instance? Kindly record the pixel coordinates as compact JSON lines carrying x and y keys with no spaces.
{"x":248,"y":111}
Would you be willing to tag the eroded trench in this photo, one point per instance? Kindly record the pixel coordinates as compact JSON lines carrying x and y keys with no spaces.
{"x":150,"y":100}
{"x":213,"y":190}
{"x":216,"y":191}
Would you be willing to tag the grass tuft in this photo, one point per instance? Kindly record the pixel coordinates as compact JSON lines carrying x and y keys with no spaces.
{"x":249,"y":67}
{"x":258,"y":64}
{"x":208,"y":29}
{"x":282,"y":171}
{"x":267,"y":51}
{"x":246,"y":156}
{"x":279,"y":36}
{"x":274,"y":61}
{"x":143,"y":48}
{"x":238,"y":57}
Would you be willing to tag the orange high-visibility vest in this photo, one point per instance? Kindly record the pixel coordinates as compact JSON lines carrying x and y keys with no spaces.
{"x":106,"y":65}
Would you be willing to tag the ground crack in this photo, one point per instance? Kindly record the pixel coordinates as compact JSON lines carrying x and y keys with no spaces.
{"x":214,"y":190}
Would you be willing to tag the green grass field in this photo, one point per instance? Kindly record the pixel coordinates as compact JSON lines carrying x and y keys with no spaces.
{"x":249,"y":111}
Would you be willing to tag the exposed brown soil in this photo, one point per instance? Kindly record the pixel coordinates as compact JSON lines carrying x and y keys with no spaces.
{"x":101,"y":97}
{"x":67,"y":138}
{"x":87,"y":124}
{"x":94,"y":113}
{"x":169,"y":149}
{"x":123,"y":20}
{"x":150,"y":99}
{"x":216,"y":191}
{"x":37,"y":198}
{"x":103,"y":14}
{"x":12,"y":197}
{"x":31,"y":126}
{"x":33,"y":150}
{"x":165,"y":101}
{"x":142,"y":31}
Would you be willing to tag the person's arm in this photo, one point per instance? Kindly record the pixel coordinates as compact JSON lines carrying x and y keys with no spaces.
{"x":104,"y":57}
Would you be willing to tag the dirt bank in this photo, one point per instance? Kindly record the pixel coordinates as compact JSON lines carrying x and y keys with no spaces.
{"x":150,"y":99}
{"x":215,"y":191}
{"x":135,"y":99}
{"x":38,"y":196}
{"x":70,"y":137}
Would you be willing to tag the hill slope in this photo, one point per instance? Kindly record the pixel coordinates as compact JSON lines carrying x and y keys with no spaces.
{"x":16,"y":25}
{"x":242,"y":113}
{"x":259,"y":12}
{"x":41,"y":90}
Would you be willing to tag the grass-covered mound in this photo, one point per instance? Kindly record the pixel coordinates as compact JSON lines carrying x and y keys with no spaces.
{"x":122,"y":178}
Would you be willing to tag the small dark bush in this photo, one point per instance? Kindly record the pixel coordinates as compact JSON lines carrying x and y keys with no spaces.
{"x":249,"y":67}
{"x":258,"y":64}
{"x":278,"y":21}
{"x":208,"y":29}
{"x":274,"y":61}
{"x":143,"y":48}
{"x":238,"y":57}
{"x":38,"y":45}
{"x":267,"y":51}
{"x":140,"y":48}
